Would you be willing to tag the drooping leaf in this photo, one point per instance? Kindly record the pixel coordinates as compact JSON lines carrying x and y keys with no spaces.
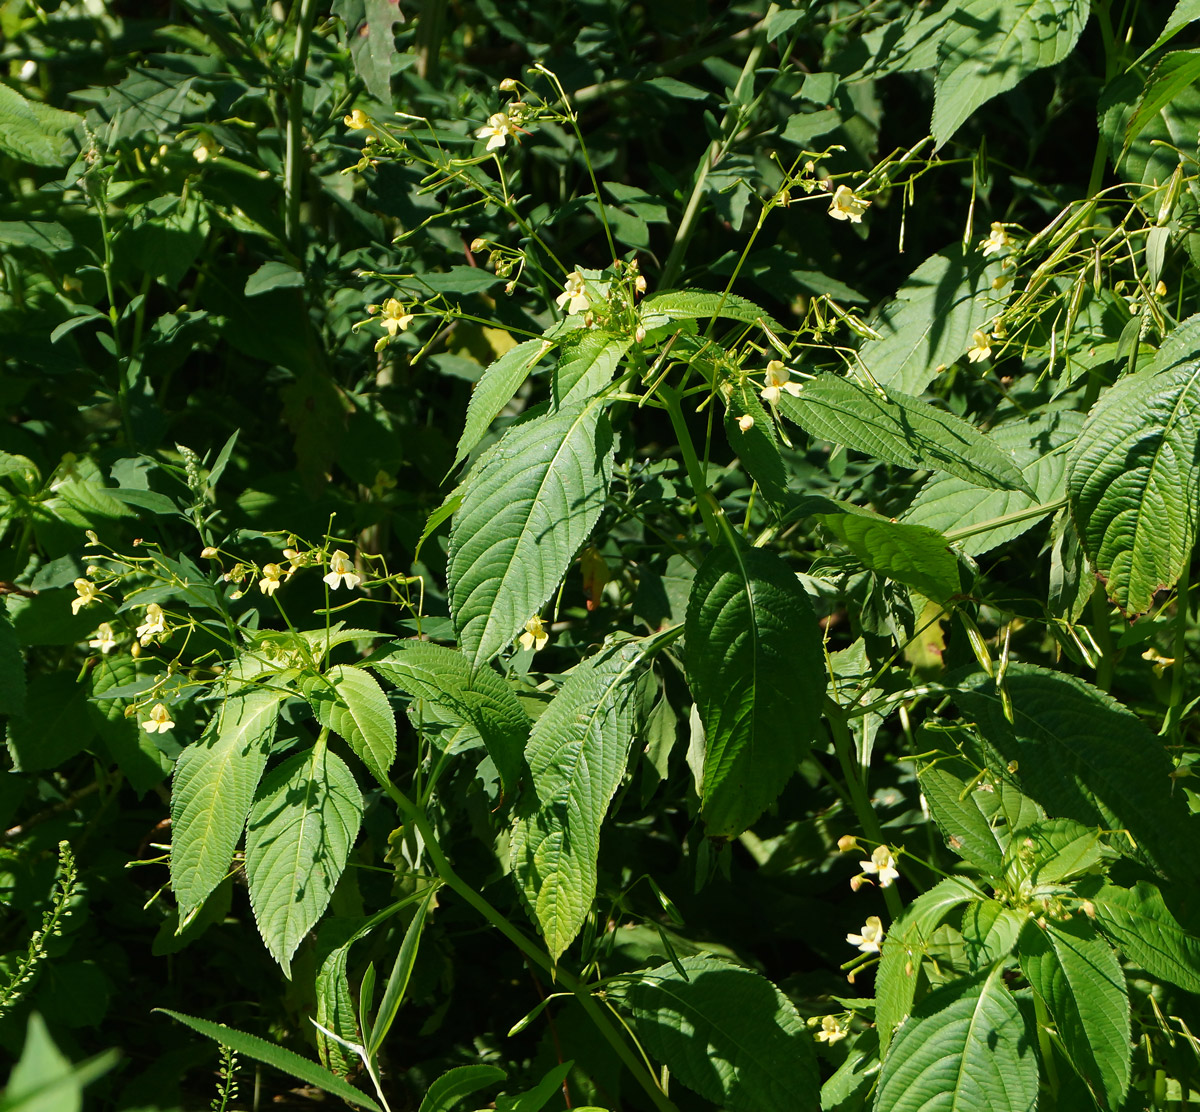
{"x":1133,"y":478}
{"x":931,"y":321}
{"x":352,"y":704}
{"x":587,"y":364}
{"x":902,"y":430}
{"x":301,"y":829}
{"x":576,"y":755}
{"x":729,"y":1034}
{"x":406,"y":959}
{"x":1079,"y":977}
{"x":1084,"y":756}
{"x":212,"y":790}
{"x":495,"y":389}
{"x":966,"y":1048}
{"x":1184,"y":12}
{"x":522,"y":519}
{"x":1138,"y":921}
{"x":989,"y":46}
{"x":757,"y":672}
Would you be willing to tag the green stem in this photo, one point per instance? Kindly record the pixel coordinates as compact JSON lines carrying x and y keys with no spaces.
{"x":1175,"y":705}
{"x":581,"y":991}
{"x":691,"y":461}
{"x":843,"y":745}
{"x":1042,"y":1021}
{"x":1112,"y":60}
{"x":294,"y":152}
{"x":1104,"y":641}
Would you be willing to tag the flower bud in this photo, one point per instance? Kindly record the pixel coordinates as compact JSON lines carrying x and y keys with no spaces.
{"x":208,"y":552}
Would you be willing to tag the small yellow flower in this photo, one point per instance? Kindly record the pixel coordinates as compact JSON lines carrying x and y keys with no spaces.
{"x":1159,"y":662}
{"x":88,"y":593}
{"x":105,"y":641}
{"x":159,"y":721}
{"x":341,"y":570}
{"x":871,"y":937}
{"x":845,"y":204}
{"x":980,"y":347}
{"x":155,"y":624}
{"x":745,"y":422}
{"x":575,"y":292}
{"x":497,"y":130}
{"x":206,"y":147}
{"x":832,"y":1030}
{"x":778,"y":378}
{"x":535,"y":636}
{"x":357,"y":120}
{"x":883,"y":864}
{"x":208,"y":552}
{"x":272,"y":577}
{"x":394,"y":318}
{"x":996,"y":242}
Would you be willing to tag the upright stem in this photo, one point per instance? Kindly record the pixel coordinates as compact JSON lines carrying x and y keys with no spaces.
{"x":1104,"y":641}
{"x":294,"y":154}
{"x":1175,"y":704}
{"x":691,"y":461}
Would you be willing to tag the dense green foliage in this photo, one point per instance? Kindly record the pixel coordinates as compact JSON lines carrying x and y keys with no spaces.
{"x":599,"y":555}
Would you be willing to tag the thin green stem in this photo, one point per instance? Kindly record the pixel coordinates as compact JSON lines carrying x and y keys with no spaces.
{"x":294,"y":153}
{"x":1171,"y":726}
{"x":1042,"y":1021}
{"x":1103,"y":634}
{"x":691,"y":462}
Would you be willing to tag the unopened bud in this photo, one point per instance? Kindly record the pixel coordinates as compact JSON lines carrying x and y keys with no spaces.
{"x":208,"y":552}
{"x":639,"y":334}
{"x":746,"y":422}
{"x":846,"y":843}
{"x":508,"y":85}
{"x":478,"y":243}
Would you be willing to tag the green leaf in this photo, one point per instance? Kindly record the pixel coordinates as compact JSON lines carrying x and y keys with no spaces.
{"x":1061,"y":848}
{"x":990,"y":931}
{"x":480,"y":697}
{"x":671,"y":305}
{"x":301,"y":829}
{"x":729,"y":1034}
{"x":43,"y":1079}
{"x":373,"y":48}
{"x":406,"y":959}
{"x":1133,"y":478}
{"x":1185,"y":12}
{"x":904,"y":946}
{"x":12,"y":667}
{"x":273,"y":275}
{"x":756,"y":668}
{"x":521,"y":522}
{"x":1079,"y":978}
{"x":1084,"y":756}
{"x":277,"y":1056}
{"x":1038,"y":443}
{"x":930,"y":323}
{"x":358,"y":711}
{"x":458,"y":1083}
{"x":757,"y":446}
{"x":1174,"y":72}
{"x":143,"y":763}
{"x":967,"y":1048}
{"x":535,"y":1099}
{"x":1140,"y":925}
{"x":33,"y":132}
{"x":577,"y":754}
{"x":56,"y":724}
{"x":45,"y":236}
{"x":955,"y":811}
{"x":588,"y":362}
{"x":989,"y":46}
{"x":901,"y":430}
{"x":212,"y":790}
{"x":495,"y":389}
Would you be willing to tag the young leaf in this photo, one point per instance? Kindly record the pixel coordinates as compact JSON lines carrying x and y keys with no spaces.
{"x":954,"y":809}
{"x":211,"y":792}
{"x":902,"y":430}
{"x":277,"y":1056}
{"x":1060,"y":849}
{"x":729,"y":1034}
{"x":588,"y":362}
{"x":966,"y":1048}
{"x":356,"y":709}
{"x":1139,"y":923}
{"x":457,"y":1083}
{"x":522,"y":520}
{"x":1078,"y":976}
{"x":444,"y":676}
{"x":757,"y":671}
{"x":1133,"y":478}
{"x":991,"y":45}
{"x":302,"y":826}
{"x":494,"y":390}
{"x":989,"y":931}
{"x":672,"y":305}
{"x":576,"y":755}
{"x":393,"y":994}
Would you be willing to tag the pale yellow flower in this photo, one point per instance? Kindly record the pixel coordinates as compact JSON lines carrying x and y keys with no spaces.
{"x":845,"y":204}
{"x":88,"y":593}
{"x":208,"y":552}
{"x":883,"y":864}
{"x":745,"y":422}
{"x":394,"y":318}
{"x":980,"y":347}
{"x":357,"y":120}
{"x":105,"y":641}
{"x":778,"y":378}
{"x":497,"y":130}
{"x":535,"y":636}
{"x":996,"y":242}
{"x":159,"y":721}
{"x":832,"y":1030}
{"x":206,"y":147}
{"x":575,"y":292}
{"x":871,"y":937}
{"x":1159,"y":662}
{"x":272,"y":577}
{"x":154,"y":625}
{"x":341,"y":570}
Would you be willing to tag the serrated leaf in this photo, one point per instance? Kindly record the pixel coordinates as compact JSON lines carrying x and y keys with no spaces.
{"x":277,"y":1056}
{"x":989,"y":46}
{"x":587,"y":363}
{"x":672,"y":305}
{"x":576,"y":754}
{"x":1139,"y":923}
{"x":301,"y":828}
{"x":901,"y":430}
{"x":480,"y":697}
{"x":757,"y":446}
{"x":1077,"y":975}
{"x":1174,"y":72}
{"x":1061,"y":849}
{"x":352,"y":704}
{"x":522,"y":520}
{"x":990,"y":931}
{"x":1133,"y":478}
{"x":729,"y":1034}
{"x":1084,"y":756}
{"x":33,"y":132}
{"x":931,"y":321}
{"x":1184,"y":12}
{"x":955,"y":811}
{"x":756,"y":668}
{"x":904,"y":946}
{"x":1038,"y":444}
{"x":495,"y":389}
{"x":211,"y":792}
{"x":458,"y":1083}
{"x":967,"y":1048}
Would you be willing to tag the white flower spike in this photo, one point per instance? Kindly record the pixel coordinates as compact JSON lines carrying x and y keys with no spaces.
{"x":871,"y":937}
{"x":341,"y":570}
